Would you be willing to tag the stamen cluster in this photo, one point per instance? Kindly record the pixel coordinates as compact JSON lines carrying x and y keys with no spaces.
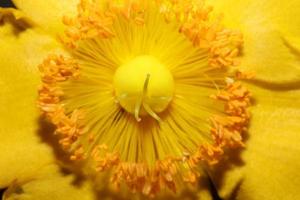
{"x":195,"y":23}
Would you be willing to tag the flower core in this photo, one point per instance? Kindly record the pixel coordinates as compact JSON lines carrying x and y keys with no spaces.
{"x":144,"y":86}
{"x":147,"y":91}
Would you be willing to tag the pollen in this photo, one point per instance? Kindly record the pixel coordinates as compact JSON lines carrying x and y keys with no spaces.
{"x":147,"y":90}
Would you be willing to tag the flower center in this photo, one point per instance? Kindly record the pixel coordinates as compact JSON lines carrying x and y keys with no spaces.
{"x":136,"y":52}
{"x":144,"y":86}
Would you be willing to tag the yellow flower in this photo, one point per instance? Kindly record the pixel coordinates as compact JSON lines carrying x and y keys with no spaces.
{"x":148,"y":91}
{"x":145,"y":92}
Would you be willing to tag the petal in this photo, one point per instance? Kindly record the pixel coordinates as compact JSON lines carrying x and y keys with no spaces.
{"x":269,"y":28}
{"x":50,"y":184}
{"x":48,"y":13}
{"x":22,"y":48}
{"x":269,"y":166}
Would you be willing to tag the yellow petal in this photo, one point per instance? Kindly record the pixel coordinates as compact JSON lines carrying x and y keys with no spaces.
{"x":270,"y":28}
{"x":21,"y":149}
{"x":50,"y":184}
{"x":48,"y":13}
{"x":269,"y":166}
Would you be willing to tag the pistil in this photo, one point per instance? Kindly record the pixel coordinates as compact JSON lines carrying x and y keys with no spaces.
{"x":144,"y":96}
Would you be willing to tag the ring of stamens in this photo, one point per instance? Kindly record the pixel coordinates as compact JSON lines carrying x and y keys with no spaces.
{"x":222,"y":47}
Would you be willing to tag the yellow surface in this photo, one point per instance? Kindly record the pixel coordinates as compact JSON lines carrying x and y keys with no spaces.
{"x":21,"y":151}
{"x":50,"y":183}
{"x":269,"y":166}
{"x":271,"y":33}
{"x":266,"y":169}
{"x":48,"y":13}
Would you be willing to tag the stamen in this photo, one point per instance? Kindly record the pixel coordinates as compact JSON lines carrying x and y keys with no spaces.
{"x":185,"y":52}
{"x":213,"y":82}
